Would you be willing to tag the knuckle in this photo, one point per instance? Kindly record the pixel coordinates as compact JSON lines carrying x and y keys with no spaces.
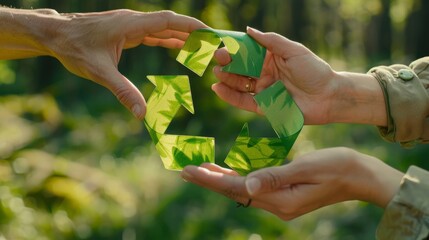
{"x":271,"y":180}
{"x":166,"y":13}
{"x":231,"y":193}
{"x":122,"y":94}
{"x":234,"y":191}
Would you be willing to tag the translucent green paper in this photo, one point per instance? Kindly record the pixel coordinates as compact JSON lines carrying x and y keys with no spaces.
{"x":246,"y":54}
{"x":176,"y":151}
{"x":248,"y":153}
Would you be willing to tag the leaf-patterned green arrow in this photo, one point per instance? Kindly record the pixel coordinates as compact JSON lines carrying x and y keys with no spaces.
{"x":247,"y":56}
{"x":251,"y":153}
{"x":176,"y":151}
{"x":248,"y":153}
{"x":169,"y":94}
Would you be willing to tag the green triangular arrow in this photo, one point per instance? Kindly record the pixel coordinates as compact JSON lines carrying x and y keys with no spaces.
{"x":169,"y":94}
{"x":249,"y":154}
{"x":281,"y":111}
{"x":246,"y":54}
{"x":176,"y":151}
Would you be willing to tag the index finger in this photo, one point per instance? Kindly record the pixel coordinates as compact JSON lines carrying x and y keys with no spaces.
{"x":229,"y":185}
{"x":222,"y":56}
{"x":162,"y":20}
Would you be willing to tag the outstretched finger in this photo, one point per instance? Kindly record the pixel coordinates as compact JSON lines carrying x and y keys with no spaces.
{"x":167,"y":43}
{"x":216,"y":168}
{"x":235,"y":98}
{"x":230,"y":186}
{"x":278,"y":44}
{"x":168,"y":33}
{"x":237,"y":82}
{"x":162,"y":20}
{"x":275,"y":178}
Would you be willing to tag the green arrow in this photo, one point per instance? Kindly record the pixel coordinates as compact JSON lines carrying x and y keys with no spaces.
{"x":176,"y":151}
{"x":169,"y":94}
{"x":282,"y":112}
{"x":246,"y":54}
{"x":249,"y":154}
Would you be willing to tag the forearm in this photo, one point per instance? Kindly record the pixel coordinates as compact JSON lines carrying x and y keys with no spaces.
{"x":24,"y":33}
{"x":379,"y":182}
{"x":359,"y":99}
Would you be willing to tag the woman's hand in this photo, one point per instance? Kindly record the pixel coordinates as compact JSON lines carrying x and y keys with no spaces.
{"x":309,"y":182}
{"x":323,"y":95}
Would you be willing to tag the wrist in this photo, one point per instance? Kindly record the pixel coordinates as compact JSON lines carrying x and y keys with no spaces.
{"x":358,"y":99}
{"x":26,"y":33}
{"x":377,"y":183}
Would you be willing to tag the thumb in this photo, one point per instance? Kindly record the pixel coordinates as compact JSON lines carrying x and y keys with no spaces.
{"x":277,"y":44}
{"x":125,"y":91}
{"x":274,"y":178}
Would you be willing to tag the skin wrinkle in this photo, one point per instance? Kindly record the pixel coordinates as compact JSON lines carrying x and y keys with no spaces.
{"x":231,"y":193}
{"x":275,"y":181}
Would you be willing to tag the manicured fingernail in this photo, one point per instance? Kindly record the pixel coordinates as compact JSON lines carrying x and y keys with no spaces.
{"x":252,"y":185}
{"x":137,"y":111}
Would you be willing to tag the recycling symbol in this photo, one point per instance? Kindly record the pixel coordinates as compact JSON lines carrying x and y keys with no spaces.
{"x":173,"y":91}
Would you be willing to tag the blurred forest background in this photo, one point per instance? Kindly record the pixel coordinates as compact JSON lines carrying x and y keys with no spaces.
{"x":74,"y":164}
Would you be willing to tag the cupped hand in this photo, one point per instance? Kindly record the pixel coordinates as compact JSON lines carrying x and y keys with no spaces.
{"x":90,"y":45}
{"x":308,"y":78}
{"x":309,"y":182}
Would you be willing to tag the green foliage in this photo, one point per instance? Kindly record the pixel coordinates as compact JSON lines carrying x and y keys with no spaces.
{"x":74,"y":164}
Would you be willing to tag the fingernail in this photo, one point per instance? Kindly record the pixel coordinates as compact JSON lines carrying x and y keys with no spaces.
{"x":137,"y":111}
{"x":216,"y":69}
{"x":252,"y":29}
{"x":253,"y":185}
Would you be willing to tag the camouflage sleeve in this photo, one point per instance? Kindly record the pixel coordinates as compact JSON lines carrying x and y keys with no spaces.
{"x":406,"y":91}
{"x":407,"y":215}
